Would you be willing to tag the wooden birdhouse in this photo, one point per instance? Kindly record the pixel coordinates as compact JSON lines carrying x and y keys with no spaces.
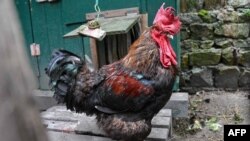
{"x":122,"y":27}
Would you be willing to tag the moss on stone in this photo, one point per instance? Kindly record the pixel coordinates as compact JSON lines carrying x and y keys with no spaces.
{"x":203,"y":12}
{"x":205,"y":57}
{"x":246,"y":13}
{"x":245,"y":58}
{"x":192,"y":4}
{"x":234,"y":30}
{"x":204,"y":15}
{"x":227,"y":56}
{"x":184,"y":61}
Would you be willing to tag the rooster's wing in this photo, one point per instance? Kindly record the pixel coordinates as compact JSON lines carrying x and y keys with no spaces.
{"x":123,"y":91}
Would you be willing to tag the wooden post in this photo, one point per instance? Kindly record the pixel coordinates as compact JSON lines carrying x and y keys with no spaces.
{"x":94,"y":54}
{"x":19,"y":117}
{"x":144,"y":22}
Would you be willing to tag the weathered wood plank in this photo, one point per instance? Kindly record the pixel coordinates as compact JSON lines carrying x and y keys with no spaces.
{"x":62,"y":113}
{"x":109,"y":49}
{"x":102,"y":52}
{"x":136,"y":31}
{"x":122,"y":47}
{"x":113,"y":13}
{"x":112,"y":26}
{"x":115,"y":47}
{"x":59,"y":119}
{"x":89,"y":126}
{"x":60,"y":136}
{"x":44,"y":99}
{"x":129,"y":41}
{"x":61,"y":126}
{"x":157,"y":134}
{"x":119,"y":47}
{"x":118,"y":25}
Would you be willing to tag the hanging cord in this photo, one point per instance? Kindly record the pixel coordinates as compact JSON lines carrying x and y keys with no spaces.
{"x":97,"y":9}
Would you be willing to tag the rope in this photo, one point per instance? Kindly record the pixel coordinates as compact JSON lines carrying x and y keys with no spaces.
{"x":97,"y":9}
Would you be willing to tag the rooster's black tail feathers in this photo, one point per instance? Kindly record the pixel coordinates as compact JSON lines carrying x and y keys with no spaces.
{"x":62,"y":71}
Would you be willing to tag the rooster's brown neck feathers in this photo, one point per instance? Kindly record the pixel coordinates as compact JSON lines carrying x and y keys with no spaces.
{"x":143,"y":54}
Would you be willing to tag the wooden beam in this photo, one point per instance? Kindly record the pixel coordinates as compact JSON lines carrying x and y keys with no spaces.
{"x":19,"y":117}
{"x":113,"y":13}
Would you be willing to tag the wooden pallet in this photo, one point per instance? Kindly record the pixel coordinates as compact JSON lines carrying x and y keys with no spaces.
{"x":64,"y":125}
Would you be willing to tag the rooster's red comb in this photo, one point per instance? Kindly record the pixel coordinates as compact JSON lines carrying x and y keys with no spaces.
{"x":167,"y":21}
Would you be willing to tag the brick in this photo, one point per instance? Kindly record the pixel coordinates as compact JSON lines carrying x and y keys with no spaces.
{"x":178,"y":103}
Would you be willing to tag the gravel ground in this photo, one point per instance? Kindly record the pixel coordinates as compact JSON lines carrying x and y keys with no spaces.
{"x":218,"y":107}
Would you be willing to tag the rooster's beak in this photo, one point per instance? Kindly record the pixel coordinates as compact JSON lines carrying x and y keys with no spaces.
{"x":170,"y":36}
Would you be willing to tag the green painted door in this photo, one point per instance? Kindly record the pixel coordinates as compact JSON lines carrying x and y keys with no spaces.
{"x":45,"y":24}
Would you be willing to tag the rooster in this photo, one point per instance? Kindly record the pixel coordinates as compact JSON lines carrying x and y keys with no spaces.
{"x":128,"y":93}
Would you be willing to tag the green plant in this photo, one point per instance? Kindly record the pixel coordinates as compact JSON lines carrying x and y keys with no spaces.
{"x":236,"y":115}
{"x":213,"y":124}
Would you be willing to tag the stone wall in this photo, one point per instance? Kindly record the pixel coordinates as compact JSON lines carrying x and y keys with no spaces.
{"x":215,"y":42}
